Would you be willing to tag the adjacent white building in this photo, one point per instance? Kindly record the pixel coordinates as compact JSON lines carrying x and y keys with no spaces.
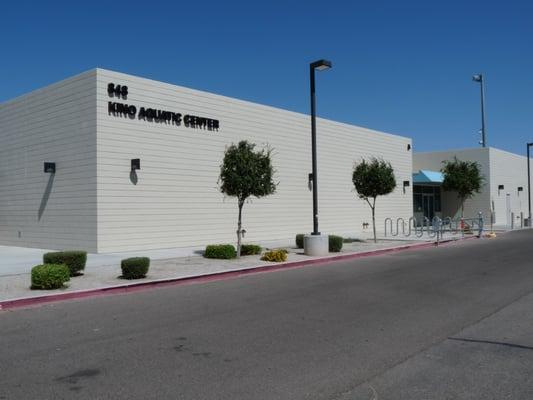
{"x":504,"y":193}
{"x":93,"y":127}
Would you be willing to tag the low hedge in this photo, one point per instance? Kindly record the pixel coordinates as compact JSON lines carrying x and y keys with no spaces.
{"x":75,"y":260}
{"x":250,"y":249}
{"x":300,"y":240}
{"x":49,"y":276}
{"x":135,"y":267}
{"x":335,"y":243}
{"x":275,"y":255}
{"x":220,"y":251}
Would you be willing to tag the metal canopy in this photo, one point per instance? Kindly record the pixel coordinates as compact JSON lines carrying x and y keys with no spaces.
{"x":426,"y":176}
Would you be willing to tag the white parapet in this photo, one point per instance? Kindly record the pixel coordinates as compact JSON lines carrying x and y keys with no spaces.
{"x":316,"y":245}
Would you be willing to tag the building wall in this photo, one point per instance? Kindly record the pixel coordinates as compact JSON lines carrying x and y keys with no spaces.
{"x":451,"y":206}
{"x":55,"y":124}
{"x":510,"y":170}
{"x":176,"y":202}
{"x":499,"y":168}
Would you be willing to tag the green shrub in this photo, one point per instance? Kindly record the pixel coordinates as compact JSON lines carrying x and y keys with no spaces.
{"x":250,"y":249}
{"x":335,"y":243}
{"x":220,"y":251}
{"x":300,"y":240}
{"x":135,"y":268}
{"x":275,"y":255}
{"x":49,"y":276}
{"x":75,"y":260}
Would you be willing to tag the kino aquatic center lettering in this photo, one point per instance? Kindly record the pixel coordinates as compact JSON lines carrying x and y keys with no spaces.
{"x":152,"y":114}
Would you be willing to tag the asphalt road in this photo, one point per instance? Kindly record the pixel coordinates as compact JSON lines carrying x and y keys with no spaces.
{"x":453,"y":322}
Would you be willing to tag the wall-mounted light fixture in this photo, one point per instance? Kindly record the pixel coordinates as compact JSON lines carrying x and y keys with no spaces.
{"x":501,"y":187}
{"x":408,"y":146}
{"x":135,"y":164}
{"x":49,"y":167}
{"x":520,"y":189}
{"x":406,"y":184}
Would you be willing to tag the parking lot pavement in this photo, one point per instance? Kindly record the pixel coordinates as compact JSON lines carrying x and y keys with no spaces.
{"x":491,"y":360}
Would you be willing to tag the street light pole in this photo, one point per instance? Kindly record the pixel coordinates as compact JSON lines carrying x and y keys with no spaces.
{"x":479,"y":78}
{"x":528,"y":187}
{"x":317,"y":65}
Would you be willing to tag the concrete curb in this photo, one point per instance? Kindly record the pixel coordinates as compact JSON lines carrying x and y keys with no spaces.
{"x":215,"y":276}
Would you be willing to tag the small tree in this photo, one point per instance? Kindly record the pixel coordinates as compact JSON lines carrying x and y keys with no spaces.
{"x":371,"y":179}
{"x":463,"y":177}
{"x":245,"y":173}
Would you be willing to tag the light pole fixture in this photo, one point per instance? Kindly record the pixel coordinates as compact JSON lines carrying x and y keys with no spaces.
{"x":319,"y":65}
{"x":479,"y":78}
{"x":528,"y":188}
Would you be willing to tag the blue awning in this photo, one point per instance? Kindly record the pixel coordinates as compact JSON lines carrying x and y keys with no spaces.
{"x":426,"y":176}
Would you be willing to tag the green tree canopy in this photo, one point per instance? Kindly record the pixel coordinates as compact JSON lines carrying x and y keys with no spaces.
{"x":371,"y":179}
{"x":463,"y":177}
{"x":245,"y":173}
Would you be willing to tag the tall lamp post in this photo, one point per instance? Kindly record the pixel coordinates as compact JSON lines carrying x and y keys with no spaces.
{"x":479,"y":78}
{"x":314,"y":246}
{"x":528,"y":188}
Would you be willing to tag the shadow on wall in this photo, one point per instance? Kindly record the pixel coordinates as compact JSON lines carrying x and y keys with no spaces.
{"x":133,"y":177}
{"x":46,"y":196}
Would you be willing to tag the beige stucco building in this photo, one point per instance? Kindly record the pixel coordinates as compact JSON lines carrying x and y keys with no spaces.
{"x":96,"y":201}
{"x":504,"y":193}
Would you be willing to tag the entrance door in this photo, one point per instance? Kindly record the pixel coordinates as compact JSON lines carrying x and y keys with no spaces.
{"x":428,"y":202}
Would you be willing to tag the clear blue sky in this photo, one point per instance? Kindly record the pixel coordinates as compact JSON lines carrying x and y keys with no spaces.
{"x":401,"y":67}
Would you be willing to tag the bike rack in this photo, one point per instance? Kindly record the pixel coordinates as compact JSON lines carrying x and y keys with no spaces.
{"x":417,"y":232}
{"x":436,"y":227}
{"x":388,"y":220}
{"x":398,"y":226}
{"x":411,"y":223}
{"x":427,"y":223}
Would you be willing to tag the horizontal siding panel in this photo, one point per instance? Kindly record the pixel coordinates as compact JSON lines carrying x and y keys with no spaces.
{"x":510,"y":170}
{"x":176,"y":201}
{"x":55,"y":124}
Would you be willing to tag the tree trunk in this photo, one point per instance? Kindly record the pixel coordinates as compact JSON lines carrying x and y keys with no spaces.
{"x":239,"y":229}
{"x":374,"y":220}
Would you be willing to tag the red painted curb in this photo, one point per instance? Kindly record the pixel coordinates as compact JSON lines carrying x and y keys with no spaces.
{"x":137,"y":286}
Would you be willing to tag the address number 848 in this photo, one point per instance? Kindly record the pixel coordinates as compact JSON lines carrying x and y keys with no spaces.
{"x":117,"y":90}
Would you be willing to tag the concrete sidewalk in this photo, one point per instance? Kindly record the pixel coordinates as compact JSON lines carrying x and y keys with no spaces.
{"x":103,"y":271}
{"x":20,"y":260}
